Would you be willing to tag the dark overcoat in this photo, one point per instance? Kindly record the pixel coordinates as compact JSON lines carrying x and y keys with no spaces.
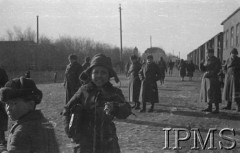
{"x":94,"y":123}
{"x":163,"y":68}
{"x":71,"y":80}
{"x":32,"y":133}
{"x":190,"y":69}
{"x":182,"y":69}
{"x":210,"y":91}
{"x":134,"y":82}
{"x":231,"y":90}
{"x":149,"y":74}
{"x":3,"y":114}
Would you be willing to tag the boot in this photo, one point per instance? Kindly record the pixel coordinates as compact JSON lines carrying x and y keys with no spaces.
{"x":151,"y":108}
{"x":144,"y":108}
{"x":137,"y":106}
{"x":216,"y":111}
{"x":209,"y":109}
{"x":228,"y":107}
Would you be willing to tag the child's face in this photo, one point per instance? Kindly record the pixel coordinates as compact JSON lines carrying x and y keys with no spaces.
{"x":100,"y":75}
{"x":17,"y":107}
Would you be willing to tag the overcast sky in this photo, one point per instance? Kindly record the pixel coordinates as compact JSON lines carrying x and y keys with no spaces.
{"x":175,"y":25}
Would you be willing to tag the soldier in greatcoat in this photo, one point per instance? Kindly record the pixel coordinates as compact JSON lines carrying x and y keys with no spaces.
{"x":231,"y":90}
{"x":190,"y":69}
{"x":134,"y":81}
{"x":98,"y":102}
{"x":163,"y":68}
{"x":182,"y":69}
{"x":149,"y":74}
{"x":3,"y":114}
{"x":210,"y":87}
{"x":72,"y":73}
{"x":71,"y":79}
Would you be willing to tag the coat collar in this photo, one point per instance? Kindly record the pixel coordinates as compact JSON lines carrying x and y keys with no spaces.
{"x":33,"y":115}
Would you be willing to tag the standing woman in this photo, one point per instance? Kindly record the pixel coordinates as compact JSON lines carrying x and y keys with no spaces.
{"x":231,"y":90}
{"x":182,"y":69}
{"x":149,"y":74}
{"x":134,"y":81}
{"x":97,"y":102}
{"x":210,"y":87}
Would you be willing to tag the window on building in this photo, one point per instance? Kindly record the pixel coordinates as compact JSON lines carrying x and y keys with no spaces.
{"x":237,"y":34}
{"x":232,"y":32}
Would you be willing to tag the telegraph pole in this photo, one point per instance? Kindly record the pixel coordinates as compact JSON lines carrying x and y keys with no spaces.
{"x":120,"y":11}
{"x":150,"y":41}
{"x":37,"y":31}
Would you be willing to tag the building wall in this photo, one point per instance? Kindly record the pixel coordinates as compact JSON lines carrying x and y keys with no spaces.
{"x":232,"y":22}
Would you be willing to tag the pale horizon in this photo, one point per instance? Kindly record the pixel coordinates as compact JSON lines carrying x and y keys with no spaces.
{"x":175,"y":26}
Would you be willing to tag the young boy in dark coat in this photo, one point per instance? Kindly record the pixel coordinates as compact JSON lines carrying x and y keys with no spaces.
{"x":97,"y":103}
{"x":31,"y":132}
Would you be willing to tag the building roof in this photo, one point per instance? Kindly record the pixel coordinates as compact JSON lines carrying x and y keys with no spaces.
{"x":230,"y":15}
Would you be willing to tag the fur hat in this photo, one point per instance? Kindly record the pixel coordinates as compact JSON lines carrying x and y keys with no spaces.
{"x":100,"y":60}
{"x":21,"y":88}
{"x":234,"y":51}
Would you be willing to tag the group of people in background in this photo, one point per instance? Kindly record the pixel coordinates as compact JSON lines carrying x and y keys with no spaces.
{"x":145,"y":76}
{"x":211,"y":86}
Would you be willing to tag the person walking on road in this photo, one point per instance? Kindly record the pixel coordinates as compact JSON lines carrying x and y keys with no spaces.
{"x":170,"y":67}
{"x":210,"y":86}
{"x":71,"y":79}
{"x":190,"y":69}
{"x":149,"y":74}
{"x":182,"y":69}
{"x":134,"y":81}
{"x":163,"y":68}
{"x":231,"y":90}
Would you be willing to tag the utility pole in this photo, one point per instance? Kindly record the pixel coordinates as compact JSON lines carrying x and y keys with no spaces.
{"x":37,"y":31}
{"x":150,"y":41}
{"x":120,"y":11}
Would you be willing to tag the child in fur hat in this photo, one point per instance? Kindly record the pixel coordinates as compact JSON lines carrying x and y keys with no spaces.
{"x":99,"y":103}
{"x":31,"y":131}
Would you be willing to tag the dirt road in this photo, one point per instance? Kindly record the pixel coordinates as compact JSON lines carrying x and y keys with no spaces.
{"x":178,"y":107}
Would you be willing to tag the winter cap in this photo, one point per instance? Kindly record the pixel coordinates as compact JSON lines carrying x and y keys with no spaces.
{"x":20,"y":88}
{"x":100,"y":60}
{"x":234,"y":51}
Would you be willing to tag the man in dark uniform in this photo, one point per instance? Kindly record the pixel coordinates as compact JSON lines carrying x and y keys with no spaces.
{"x":3,"y":114}
{"x":71,"y":80}
{"x":210,"y":86}
{"x":149,"y":74}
